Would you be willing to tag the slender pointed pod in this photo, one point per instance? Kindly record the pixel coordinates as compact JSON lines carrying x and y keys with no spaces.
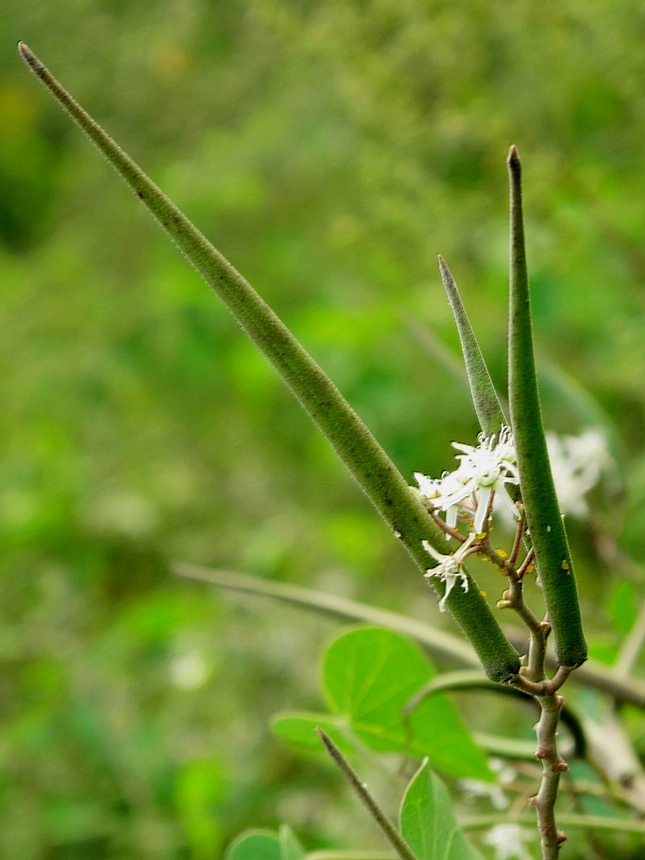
{"x":485,"y":400}
{"x":552,"y":555}
{"x":377,"y":475}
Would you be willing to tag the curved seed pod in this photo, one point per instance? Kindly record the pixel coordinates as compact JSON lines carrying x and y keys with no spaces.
{"x":552,"y":556}
{"x":377,"y":475}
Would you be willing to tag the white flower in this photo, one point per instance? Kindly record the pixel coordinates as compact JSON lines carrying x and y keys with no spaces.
{"x":491,"y":790}
{"x":450,"y":568}
{"x":506,"y":777}
{"x":497,"y":449}
{"x":441,"y":492}
{"x":482,"y":475}
{"x":508,"y":841}
{"x":578,"y":464}
{"x":431,"y":488}
{"x":189,"y":671}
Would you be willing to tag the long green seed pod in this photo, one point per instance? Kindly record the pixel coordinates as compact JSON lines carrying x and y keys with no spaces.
{"x":549,"y":539}
{"x":377,"y":475}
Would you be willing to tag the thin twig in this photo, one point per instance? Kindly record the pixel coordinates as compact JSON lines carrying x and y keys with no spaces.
{"x":517,"y":543}
{"x":437,"y":642}
{"x":545,"y":687}
{"x":443,"y":645}
{"x":526,"y":564}
{"x":467,"y":680}
{"x":449,"y":530}
{"x":513,"y":598}
{"x":553,"y":765}
{"x":387,"y":828}
{"x":632,"y":646}
{"x":597,"y":822}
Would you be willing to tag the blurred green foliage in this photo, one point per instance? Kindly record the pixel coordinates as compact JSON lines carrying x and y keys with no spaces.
{"x":329,"y":150}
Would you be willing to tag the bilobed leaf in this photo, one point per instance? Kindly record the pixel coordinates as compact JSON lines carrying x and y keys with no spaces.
{"x":369,"y":676}
{"x":548,"y":536}
{"x":290,"y":848}
{"x":428,"y":822}
{"x":255,"y":845}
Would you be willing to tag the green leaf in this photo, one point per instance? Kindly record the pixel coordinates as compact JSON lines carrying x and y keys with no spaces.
{"x":428,"y":822}
{"x":369,"y":676}
{"x":255,"y":845}
{"x":485,"y":400}
{"x":299,"y":728}
{"x":545,"y":524}
{"x":290,"y":848}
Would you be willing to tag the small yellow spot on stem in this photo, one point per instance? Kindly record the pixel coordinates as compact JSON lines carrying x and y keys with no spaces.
{"x":565,"y":564}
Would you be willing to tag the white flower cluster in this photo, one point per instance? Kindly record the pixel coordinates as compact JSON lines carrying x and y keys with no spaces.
{"x":450,"y":568}
{"x":469,"y":492}
{"x":468,"y":495}
{"x":479,"y":486}
{"x":509,"y":840}
{"x":578,"y":463}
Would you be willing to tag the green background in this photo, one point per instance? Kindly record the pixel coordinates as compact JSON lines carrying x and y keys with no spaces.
{"x":329,"y":150}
